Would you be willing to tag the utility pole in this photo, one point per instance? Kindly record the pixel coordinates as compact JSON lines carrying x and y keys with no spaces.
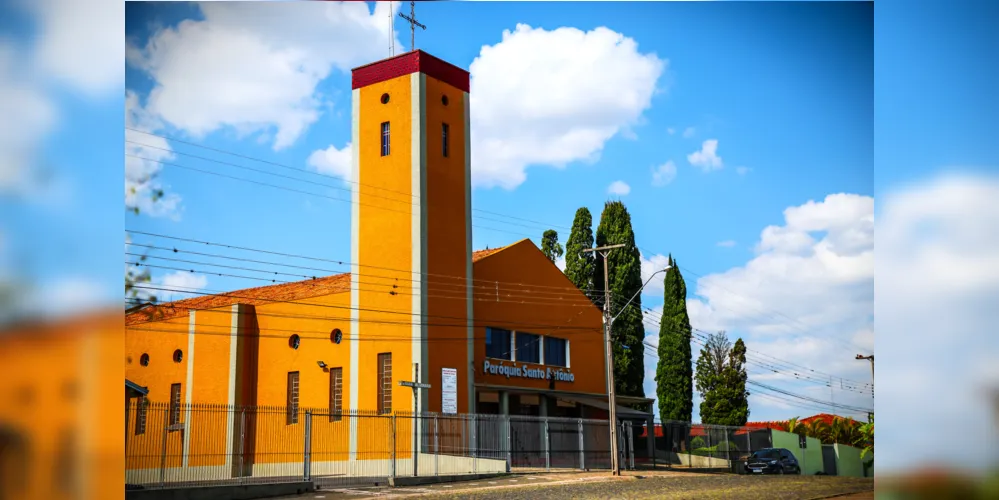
{"x":609,"y":353}
{"x":870,"y":416}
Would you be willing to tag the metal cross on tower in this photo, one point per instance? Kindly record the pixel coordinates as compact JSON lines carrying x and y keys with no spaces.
{"x":413,"y":23}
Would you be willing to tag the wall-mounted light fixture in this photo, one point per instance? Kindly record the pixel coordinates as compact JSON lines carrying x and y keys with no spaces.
{"x":321,"y":364}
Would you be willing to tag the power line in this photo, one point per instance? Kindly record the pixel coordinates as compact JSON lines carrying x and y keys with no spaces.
{"x":351,"y":264}
{"x":322,"y":305}
{"x":306,"y":171}
{"x":774,"y":367}
{"x":491,"y":288}
{"x":541,"y":224}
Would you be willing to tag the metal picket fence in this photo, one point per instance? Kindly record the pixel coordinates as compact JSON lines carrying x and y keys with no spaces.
{"x":186,"y":445}
{"x":701,"y":446}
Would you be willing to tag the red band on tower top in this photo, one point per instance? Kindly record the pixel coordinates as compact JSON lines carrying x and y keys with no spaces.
{"x":410,"y":62}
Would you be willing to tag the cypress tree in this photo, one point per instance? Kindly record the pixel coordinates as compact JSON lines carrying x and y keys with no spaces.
{"x":674,"y":375}
{"x":579,"y":265}
{"x":735,"y":381}
{"x":550,"y":245}
{"x":625,"y":278}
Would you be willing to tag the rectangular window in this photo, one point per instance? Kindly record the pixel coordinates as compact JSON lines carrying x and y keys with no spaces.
{"x":385,"y":383}
{"x":140,"y":415}
{"x":292,"y":398}
{"x":336,"y":393}
{"x":528,"y":347}
{"x":556,"y":352}
{"x":386,"y":140}
{"x":498,"y":343}
{"x":444,"y":139}
{"x":174,"y":404}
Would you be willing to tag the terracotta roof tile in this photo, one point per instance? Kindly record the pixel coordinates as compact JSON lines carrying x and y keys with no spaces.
{"x":284,"y":292}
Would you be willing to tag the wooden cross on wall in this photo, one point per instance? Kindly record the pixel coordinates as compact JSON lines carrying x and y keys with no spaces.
{"x":413,"y":23}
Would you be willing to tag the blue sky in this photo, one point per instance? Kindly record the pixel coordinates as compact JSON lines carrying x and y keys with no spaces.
{"x":783,"y":91}
{"x":795,"y":94}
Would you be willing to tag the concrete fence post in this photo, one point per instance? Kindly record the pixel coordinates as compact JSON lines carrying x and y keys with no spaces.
{"x":437,"y":452}
{"x":306,"y":465}
{"x":548,"y":460}
{"x":166,"y":423}
{"x":392,"y":446}
{"x":242,"y":440}
{"x":582,"y":451}
{"x":508,"y":427}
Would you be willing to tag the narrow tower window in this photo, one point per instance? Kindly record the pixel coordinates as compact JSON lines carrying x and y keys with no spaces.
{"x":174,"y":404}
{"x":292,"y":398}
{"x":444,"y":138}
{"x":385,"y":139}
{"x":336,"y":393}
{"x":385,"y":383}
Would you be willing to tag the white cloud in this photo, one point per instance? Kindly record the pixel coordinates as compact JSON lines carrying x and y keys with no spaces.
{"x":550,"y":98}
{"x":254,"y":66}
{"x":332,"y":161}
{"x":179,"y":282}
{"x":86,"y":55}
{"x":938,"y":283}
{"x":742,"y":170}
{"x":689,"y":132}
{"x":726,"y":243}
{"x":28,"y":115}
{"x":707,"y":157}
{"x":142,"y":154}
{"x":671,"y":131}
{"x":806,"y":296}
{"x":619,"y":188}
{"x":664,"y":174}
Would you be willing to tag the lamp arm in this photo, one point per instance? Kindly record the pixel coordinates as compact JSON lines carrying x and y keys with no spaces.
{"x":626,"y":304}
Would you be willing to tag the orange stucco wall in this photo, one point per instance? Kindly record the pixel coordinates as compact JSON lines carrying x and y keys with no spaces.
{"x":565,"y":310}
{"x":61,"y":409}
{"x":384,"y":239}
{"x":447,"y":254}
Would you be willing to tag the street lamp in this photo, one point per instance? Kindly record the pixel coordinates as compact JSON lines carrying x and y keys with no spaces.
{"x":626,"y":304}
{"x":611,"y":397}
{"x":870,"y":416}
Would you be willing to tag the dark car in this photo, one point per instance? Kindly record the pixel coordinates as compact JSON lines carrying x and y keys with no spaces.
{"x":772,"y":461}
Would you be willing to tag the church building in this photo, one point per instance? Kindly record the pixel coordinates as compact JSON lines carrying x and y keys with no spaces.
{"x":496,"y":331}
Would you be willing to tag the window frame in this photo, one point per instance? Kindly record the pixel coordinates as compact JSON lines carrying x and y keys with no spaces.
{"x":140,"y":415}
{"x":565,"y":351}
{"x":175,"y":393}
{"x":336,"y":394}
{"x":445,"y":138}
{"x":490,"y":331}
{"x":384,"y":392}
{"x":528,"y":349}
{"x":293,"y":388}
{"x":386,"y":138}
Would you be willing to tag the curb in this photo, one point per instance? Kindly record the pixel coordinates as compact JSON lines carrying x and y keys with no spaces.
{"x":837,"y":495}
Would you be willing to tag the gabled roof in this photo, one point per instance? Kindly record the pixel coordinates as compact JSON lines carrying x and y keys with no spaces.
{"x":283,"y":292}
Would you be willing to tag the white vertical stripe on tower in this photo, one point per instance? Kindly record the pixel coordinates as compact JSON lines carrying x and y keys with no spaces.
{"x":189,"y":384}
{"x":355,"y":235}
{"x":418,"y":84}
{"x":233,"y":363}
{"x":469,"y":377}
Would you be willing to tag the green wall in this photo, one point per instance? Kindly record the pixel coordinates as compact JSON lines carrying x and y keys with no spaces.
{"x":848,"y":462}
{"x":810,"y":458}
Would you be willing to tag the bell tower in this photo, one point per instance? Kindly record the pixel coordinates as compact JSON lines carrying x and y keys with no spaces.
{"x":411,"y":281}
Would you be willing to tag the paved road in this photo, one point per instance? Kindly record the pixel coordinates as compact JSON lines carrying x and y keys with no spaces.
{"x":671,"y":485}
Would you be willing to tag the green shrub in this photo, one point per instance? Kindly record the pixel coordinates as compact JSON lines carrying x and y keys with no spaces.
{"x":697,"y":442}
